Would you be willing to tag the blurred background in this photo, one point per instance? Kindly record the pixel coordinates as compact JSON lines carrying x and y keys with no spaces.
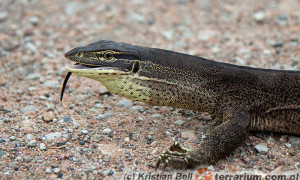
{"x":258,"y":33}
{"x":35,"y":34}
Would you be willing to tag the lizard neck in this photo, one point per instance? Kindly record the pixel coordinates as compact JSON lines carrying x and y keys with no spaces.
{"x":174,"y":79}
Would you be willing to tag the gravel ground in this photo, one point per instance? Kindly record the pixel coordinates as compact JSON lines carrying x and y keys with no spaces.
{"x":93,"y":134}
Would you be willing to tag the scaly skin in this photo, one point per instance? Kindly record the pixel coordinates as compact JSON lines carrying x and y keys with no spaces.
{"x":243,"y":98}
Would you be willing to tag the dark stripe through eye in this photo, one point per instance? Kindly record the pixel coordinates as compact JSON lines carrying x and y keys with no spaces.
{"x":125,"y":56}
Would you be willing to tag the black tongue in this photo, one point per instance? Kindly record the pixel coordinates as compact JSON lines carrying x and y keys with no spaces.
{"x":64,"y":85}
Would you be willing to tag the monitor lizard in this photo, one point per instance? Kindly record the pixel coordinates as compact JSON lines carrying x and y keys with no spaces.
{"x":244,"y":98}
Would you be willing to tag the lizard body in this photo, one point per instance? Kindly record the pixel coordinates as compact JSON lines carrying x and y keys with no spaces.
{"x":245,"y":99}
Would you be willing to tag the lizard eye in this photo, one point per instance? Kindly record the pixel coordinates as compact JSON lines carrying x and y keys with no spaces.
{"x":108,"y":55}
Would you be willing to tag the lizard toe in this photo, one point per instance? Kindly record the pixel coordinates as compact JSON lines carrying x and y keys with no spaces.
{"x":176,"y":147}
{"x":174,"y":159}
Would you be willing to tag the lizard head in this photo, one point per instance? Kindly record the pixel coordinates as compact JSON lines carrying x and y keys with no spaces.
{"x":104,"y":57}
{"x":114,"y":64}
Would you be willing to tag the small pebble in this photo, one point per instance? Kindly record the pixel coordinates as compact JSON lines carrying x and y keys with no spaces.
{"x":243,"y":153}
{"x":31,"y":88}
{"x":130,"y":136}
{"x":56,"y":170}
{"x":292,"y":152}
{"x":124,"y":103}
{"x":42,"y":97}
{"x":54,"y":120}
{"x":60,"y":144}
{"x":67,"y":118}
{"x":32,"y":143}
{"x":156,"y":115}
{"x":48,"y":116}
{"x":48,"y":170}
{"x":127,"y":139}
{"x":179,"y":122}
{"x":60,"y":175}
{"x":278,"y":43}
{"x":133,"y":17}
{"x":12,"y":138}
{"x":295,"y":141}
{"x":149,"y":137}
{"x":137,"y":108}
{"x":109,"y":172}
{"x":27,"y":159}
{"x":28,"y":32}
{"x":106,"y":131}
{"x":262,"y":149}
{"x":54,"y":166}
{"x":103,"y":91}
{"x":288,"y":145}
{"x":99,"y":106}
{"x":34,"y":76}
{"x":54,"y":135}
{"x":42,"y":146}
{"x":215,"y":50}
{"x":104,"y":116}
{"x":282,"y":17}
{"x":81,"y":142}
{"x":51,"y":84}
{"x":84,"y":131}
{"x":168,"y":133}
{"x":154,"y":144}
{"x":168,"y":34}
{"x":91,"y":169}
{"x":34,"y":20}
{"x":271,"y":140}
{"x":71,"y":106}
{"x":31,"y":47}
{"x":259,"y":16}
{"x":20,"y":91}
{"x":29,"y":137}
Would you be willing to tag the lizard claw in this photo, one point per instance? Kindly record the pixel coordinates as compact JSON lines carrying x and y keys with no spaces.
{"x":176,"y":147}
{"x":176,"y":157}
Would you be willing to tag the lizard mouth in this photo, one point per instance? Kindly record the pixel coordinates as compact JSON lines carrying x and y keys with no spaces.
{"x":82,"y":67}
{"x":79,"y":66}
{"x":76,"y":66}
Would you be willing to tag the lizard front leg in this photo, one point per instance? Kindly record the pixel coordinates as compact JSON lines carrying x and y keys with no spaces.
{"x":223,"y":139}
